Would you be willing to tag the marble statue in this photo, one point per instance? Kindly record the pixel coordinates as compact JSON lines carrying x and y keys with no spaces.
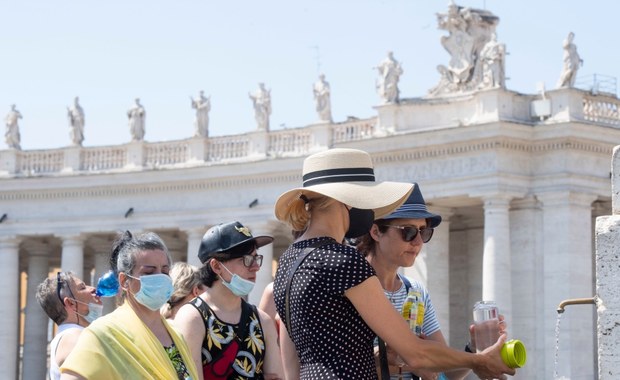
{"x":202,"y":105}
{"x":322,"y":94}
{"x":262,"y":107}
{"x":493,"y":62}
{"x":11,"y":135}
{"x":136,"y":116}
{"x":469,"y":32}
{"x":390,"y":71}
{"x":572,"y":62}
{"x":75,"y":114}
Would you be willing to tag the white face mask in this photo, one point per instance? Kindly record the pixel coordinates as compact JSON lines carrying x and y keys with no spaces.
{"x":95,"y":311}
{"x":239,"y":286}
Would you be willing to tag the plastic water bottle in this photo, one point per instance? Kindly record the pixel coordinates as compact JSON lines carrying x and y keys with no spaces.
{"x":107,"y":285}
{"x":486,"y":333}
{"x":486,"y":322}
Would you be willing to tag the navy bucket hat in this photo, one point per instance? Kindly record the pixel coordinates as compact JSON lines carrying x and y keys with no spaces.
{"x":225,"y":237}
{"x":415,"y":208}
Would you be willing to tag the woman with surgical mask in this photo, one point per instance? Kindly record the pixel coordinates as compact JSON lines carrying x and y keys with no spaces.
{"x":228,"y":337}
{"x":134,"y":341}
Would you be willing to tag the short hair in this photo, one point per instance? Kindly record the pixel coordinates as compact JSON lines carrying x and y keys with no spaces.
{"x":47,"y":295}
{"x":126,"y":247}
{"x":184,"y":278}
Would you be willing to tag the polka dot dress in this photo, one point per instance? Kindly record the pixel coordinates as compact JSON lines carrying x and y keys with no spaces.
{"x":332,"y":340}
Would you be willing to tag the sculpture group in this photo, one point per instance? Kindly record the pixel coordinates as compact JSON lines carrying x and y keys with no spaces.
{"x":477,"y":61}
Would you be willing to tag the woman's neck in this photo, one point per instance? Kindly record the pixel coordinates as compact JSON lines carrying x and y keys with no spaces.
{"x":386,"y":273}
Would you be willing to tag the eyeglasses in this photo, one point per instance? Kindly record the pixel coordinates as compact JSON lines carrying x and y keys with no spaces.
{"x":249,"y":260}
{"x":409,"y":233}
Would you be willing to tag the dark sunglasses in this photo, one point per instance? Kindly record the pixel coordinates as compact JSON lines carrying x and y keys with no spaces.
{"x":60,"y":283}
{"x":409,"y":233}
{"x":249,"y":260}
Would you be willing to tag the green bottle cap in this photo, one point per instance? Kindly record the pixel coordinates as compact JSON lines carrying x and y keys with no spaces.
{"x":514,"y":354}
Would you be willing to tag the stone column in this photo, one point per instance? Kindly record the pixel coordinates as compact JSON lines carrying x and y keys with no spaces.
{"x":35,"y":325}
{"x":263,"y":276}
{"x":608,"y":290}
{"x":72,"y":258}
{"x":526,"y":238}
{"x":9,"y":294}
{"x":194,"y":236}
{"x":103,"y":250}
{"x":568,"y":273}
{"x":438,"y":262}
{"x":496,"y":271}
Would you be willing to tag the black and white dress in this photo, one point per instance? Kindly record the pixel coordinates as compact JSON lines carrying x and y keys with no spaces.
{"x":332,"y":340}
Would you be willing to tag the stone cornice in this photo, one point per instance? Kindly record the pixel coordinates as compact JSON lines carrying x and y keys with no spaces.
{"x":165,"y":186}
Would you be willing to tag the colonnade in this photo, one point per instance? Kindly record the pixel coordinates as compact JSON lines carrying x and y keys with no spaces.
{"x":530,"y":252}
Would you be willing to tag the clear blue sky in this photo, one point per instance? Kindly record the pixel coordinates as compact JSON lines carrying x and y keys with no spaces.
{"x":110,"y":52}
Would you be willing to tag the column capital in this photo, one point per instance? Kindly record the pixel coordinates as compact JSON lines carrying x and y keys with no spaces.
{"x":71,"y":238}
{"x":11,"y":241}
{"x":556,"y":198}
{"x":37,"y":247}
{"x":445,"y":212}
{"x":501,"y":200}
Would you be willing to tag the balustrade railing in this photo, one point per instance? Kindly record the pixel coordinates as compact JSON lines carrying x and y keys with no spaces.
{"x":102,"y":158}
{"x":166,"y":153}
{"x":40,"y":161}
{"x":601,"y":110}
{"x":228,"y":147}
{"x":353,"y":130}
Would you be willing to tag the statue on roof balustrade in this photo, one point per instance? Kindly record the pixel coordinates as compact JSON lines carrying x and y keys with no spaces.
{"x":572,"y":62}
{"x":11,"y":136}
{"x":137,"y":116}
{"x":469,"y":31}
{"x":202,"y":105}
{"x":390,"y":71}
{"x":322,"y":96}
{"x":75,"y":114}
{"x":261,"y":99}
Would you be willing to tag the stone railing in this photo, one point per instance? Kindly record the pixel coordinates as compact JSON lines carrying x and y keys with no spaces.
{"x":142,"y":155}
{"x":604,"y":110}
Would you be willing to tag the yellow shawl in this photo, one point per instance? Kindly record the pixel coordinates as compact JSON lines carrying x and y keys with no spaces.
{"x":120,"y":346}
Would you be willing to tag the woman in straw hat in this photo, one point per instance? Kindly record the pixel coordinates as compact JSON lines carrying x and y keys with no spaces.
{"x":329,"y":299}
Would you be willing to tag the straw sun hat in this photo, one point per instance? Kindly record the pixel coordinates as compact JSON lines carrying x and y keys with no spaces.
{"x":346,"y":175}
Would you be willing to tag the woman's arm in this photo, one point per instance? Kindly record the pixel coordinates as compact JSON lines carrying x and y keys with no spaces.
{"x":273,"y":361}
{"x":290,"y":360}
{"x":188,"y":322}
{"x":370,"y":301}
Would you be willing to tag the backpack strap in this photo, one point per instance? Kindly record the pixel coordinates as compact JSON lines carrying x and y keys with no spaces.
{"x":291,"y":273}
{"x":407,"y":283}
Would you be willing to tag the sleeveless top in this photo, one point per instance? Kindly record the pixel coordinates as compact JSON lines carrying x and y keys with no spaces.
{"x":232,"y":351}
{"x":62,"y":329}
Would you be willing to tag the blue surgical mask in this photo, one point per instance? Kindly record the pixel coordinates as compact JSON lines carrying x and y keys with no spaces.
{"x":95,"y":311}
{"x":239,"y":286}
{"x":155,"y":290}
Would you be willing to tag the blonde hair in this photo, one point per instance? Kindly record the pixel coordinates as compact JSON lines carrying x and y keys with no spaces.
{"x":299,"y":212}
{"x":184,"y":278}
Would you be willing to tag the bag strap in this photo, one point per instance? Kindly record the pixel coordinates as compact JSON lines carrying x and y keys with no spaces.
{"x":291,"y":273}
{"x":407,"y":283}
{"x":383,"y":361}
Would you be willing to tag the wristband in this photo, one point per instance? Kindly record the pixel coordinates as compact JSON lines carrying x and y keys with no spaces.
{"x":468,"y":348}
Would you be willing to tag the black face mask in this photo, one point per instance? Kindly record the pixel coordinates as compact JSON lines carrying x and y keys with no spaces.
{"x":360,"y":222}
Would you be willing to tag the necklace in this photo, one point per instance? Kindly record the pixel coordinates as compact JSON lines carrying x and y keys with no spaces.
{"x":392,"y":295}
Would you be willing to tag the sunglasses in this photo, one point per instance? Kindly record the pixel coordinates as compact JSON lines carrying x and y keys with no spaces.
{"x":60,"y":283}
{"x":409,"y":233}
{"x":249,"y":260}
